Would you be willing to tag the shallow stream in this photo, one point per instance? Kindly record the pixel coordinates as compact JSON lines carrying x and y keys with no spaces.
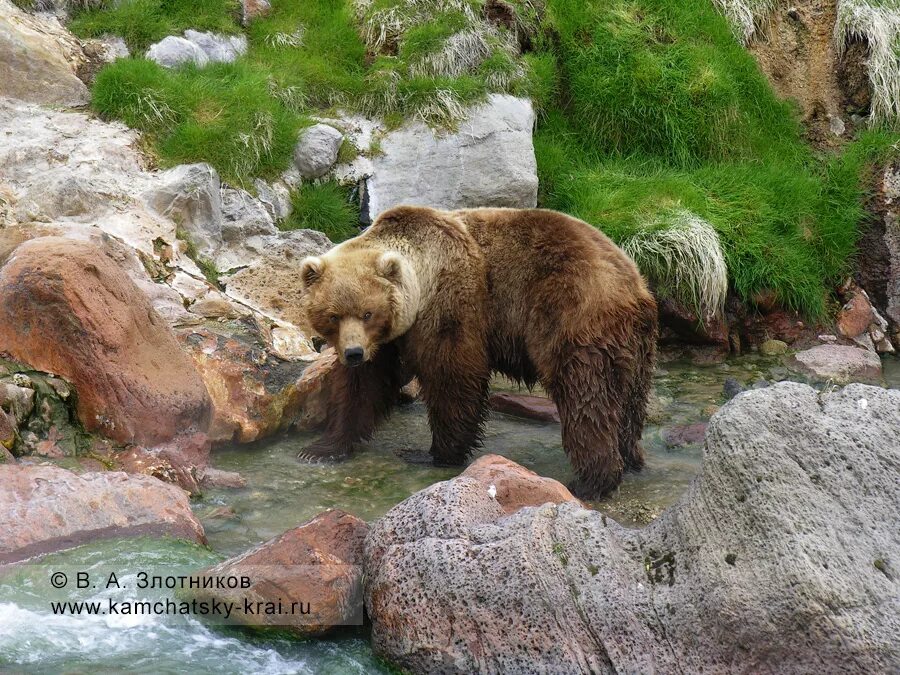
{"x":282,"y":493}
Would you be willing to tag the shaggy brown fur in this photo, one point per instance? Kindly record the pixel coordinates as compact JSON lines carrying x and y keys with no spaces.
{"x":451,"y":296}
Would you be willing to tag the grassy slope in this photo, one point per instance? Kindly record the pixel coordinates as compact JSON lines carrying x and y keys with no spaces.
{"x":649,"y":107}
{"x":665,"y":111}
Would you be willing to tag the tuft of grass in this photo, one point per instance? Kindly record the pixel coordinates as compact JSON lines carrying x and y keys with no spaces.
{"x":683,"y":258}
{"x":326,"y":207}
{"x":142,"y":22}
{"x":222,"y":114}
{"x":878,"y":23}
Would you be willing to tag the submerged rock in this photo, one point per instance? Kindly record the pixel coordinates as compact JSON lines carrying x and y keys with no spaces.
{"x":489,"y":161}
{"x":838,"y":363}
{"x":317,"y":566}
{"x":47,"y":509}
{"x":539,"y":408}
{"x":68,"y":308}
{"x":781,"y":556}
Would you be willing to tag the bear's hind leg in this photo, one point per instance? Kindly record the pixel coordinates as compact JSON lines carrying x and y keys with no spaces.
{"x":358,"y":399}
{"x":587,"y":386}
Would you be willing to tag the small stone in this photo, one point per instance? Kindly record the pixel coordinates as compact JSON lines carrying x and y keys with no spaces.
{"x":855,"y":316}
{"x":731,"y":388}
{"x":684,"y":434}
{"x":837,"y":126}
{"x":216,"y":478}
{"x":174,"y":51}
{"x":773,"y":348}
{"x":317,"y":150}
{"x":252,"y":9}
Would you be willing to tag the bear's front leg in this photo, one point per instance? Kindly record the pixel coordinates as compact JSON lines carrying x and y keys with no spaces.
{"x":359,"y":397}
{"x":455,"y":389}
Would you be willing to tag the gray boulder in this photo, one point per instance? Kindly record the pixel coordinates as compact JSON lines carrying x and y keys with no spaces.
{"x":781,"y":557}
{"x":317,"y":150}
{"x":174,"y":51}
{"x":218,"y":48}
{"x":838,"y":363}
{"x":489,"y":161}
{"x":190,"y":195}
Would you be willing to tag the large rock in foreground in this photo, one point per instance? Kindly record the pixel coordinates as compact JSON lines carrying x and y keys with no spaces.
{"x":782,"y":556}
{"x":313,"y":573}
{"x":47,"y":509}
{"x":489,"y":161}
{"x":68,"y":308}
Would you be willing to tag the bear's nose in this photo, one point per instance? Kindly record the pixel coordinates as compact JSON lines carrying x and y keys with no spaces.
{"x":353,"y":356}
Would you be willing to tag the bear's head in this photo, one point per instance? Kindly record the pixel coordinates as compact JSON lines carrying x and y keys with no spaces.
{"x":358,"y":299}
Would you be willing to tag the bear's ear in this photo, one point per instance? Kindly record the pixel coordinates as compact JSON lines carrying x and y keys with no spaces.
{"x":311,"y":270}
{"x":390,"y":266}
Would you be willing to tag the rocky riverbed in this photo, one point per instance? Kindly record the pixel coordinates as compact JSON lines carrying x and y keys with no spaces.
{"x":280,"y":494}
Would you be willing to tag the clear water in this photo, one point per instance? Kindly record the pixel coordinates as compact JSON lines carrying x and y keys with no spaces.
{"x":282,"y":493}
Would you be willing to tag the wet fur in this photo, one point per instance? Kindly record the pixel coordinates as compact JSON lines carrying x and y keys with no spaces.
{"x":532,"y":294}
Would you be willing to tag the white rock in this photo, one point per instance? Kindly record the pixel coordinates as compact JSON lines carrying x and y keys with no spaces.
{"x":275,"y":197}
{"x":489,"y":161}
{"x":317,"y":150}
{"x":218,"y":48}
{"x":190,"y":194}
{"x":174,"y":51}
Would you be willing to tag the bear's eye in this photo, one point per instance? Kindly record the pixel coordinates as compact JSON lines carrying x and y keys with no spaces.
{"x":334,"y":318}
{"x":367,"y":316}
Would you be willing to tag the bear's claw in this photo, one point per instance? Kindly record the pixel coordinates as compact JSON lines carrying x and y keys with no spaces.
{"x":322,"y":453}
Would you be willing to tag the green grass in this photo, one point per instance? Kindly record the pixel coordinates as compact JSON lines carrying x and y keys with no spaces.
{"x":326,"y":207}
{"x":143,"y":22}
{"x":221,"y":114}
{"x":647,"y":108}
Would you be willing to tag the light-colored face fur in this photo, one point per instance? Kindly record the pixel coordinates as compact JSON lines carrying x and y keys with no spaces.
{"x":358,"y":299}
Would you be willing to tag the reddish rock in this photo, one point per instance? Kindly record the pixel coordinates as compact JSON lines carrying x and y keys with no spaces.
{"x":254,"y":392}
{"x":856,"y":315}
{"x":66,"y":307}
{"x":253,"y":9}
{"x":182,"y":461}
{"x":46,"y":508}
{"x":538,"y":408}
{"x":516,"y":486}
{"x":684,"y":434}
{"x":222,"y":479}
{"x":317,"y":565}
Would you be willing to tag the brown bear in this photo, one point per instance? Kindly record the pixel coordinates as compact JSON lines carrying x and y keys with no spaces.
{"x":451,"y":297}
